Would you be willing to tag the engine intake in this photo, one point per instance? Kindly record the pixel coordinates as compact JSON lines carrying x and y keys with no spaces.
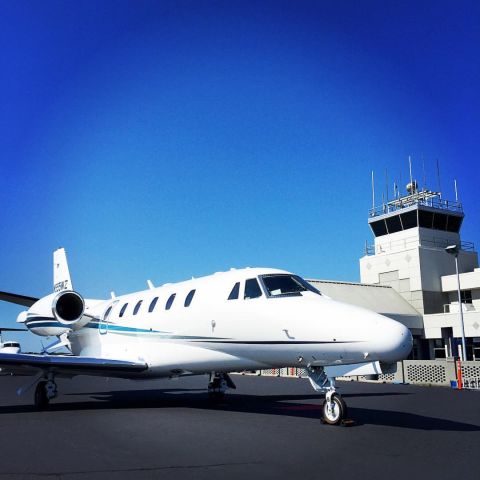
{"x":68,"y":307}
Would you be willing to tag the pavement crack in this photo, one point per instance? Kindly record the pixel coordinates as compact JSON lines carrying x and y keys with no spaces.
{"x":62,"y":475}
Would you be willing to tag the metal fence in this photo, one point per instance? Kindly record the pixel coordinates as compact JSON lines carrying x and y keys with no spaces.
{"x":419,"y":372}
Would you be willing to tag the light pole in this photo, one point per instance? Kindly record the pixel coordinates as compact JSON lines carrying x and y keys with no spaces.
{"x":453,"y":250}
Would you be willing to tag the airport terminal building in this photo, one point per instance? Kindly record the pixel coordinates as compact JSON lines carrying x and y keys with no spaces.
{"x":410,"y":275}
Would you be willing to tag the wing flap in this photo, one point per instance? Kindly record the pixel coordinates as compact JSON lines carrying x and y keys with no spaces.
{"x":21,"y":363}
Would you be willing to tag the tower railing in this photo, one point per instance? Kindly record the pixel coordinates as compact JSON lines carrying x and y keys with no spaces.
{"x":411,"y":242}
{"x":424,"y":198}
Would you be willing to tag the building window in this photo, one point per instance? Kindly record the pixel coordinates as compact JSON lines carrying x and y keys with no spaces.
{"x":122,"y":311}
{"x":252,"y":289}
{"x":189,"y":298}
{"x":466,"y":296}
{"x":170,"y":300}
{"x":235,"y":292}
{"x":137,"y":307}
{"x":152,"y":304}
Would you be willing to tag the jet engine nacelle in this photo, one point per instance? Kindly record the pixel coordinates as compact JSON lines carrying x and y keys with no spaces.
{"x":56,"y":314}
{"x":68,"y":307}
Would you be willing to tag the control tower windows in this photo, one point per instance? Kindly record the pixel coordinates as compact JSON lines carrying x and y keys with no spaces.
{"x":453,"y":223}
{"x":409,"y":219}
{"x":379,"y":228}
{"x":417,"y":218}
{"x":439,"y":221}
{"x":393,"y":224}
{"x":425,"y":219}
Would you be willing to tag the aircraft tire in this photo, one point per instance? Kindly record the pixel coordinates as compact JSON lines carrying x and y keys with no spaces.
{"x":41,"y":398}
{"x":337,"y":414}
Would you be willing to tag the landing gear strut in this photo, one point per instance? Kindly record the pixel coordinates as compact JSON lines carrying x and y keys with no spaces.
{"x":218,"y":385}
{"x":334,"y":409}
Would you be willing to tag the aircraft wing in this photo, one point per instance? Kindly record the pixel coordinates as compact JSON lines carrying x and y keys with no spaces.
{"x":18,"y":299}
{"x":68,"y":365}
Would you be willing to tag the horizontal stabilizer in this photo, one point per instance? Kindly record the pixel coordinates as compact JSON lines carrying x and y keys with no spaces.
{"x":18,"y":299}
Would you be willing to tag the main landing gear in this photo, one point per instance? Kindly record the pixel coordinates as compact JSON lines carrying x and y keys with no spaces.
{"x":334,"y":408}
{"x":218,"y":384}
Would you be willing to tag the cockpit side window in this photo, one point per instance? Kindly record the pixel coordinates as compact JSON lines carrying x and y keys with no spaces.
{"x":252,"y":289}
{"x":286,"y":285}
{"x":235,"y":292}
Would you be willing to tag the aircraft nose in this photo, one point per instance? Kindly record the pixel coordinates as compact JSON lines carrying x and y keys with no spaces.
{"x":394,"y":340}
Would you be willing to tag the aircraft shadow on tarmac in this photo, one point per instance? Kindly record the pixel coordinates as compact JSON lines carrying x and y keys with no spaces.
{"x":283,"y":405}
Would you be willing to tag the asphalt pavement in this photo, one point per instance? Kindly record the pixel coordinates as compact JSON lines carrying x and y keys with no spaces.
{"x":269,"y":428}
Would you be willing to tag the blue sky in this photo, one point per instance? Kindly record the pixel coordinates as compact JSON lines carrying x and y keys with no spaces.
{"x":165,"y":139}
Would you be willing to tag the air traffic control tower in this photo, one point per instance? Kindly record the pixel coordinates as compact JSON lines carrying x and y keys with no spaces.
{"x":411,"y":233}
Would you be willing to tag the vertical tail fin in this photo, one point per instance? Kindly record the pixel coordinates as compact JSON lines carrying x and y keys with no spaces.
{"x":61,"y":275}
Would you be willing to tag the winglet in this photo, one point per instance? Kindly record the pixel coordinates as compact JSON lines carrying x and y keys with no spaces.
{"x":61,"y":275}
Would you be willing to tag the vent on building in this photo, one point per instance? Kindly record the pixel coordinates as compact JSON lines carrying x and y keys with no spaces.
{"x":426,"y":374}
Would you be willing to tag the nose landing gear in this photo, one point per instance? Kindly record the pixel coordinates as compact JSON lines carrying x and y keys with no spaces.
{"x":334,"y":409}
{"x":218,"y":385}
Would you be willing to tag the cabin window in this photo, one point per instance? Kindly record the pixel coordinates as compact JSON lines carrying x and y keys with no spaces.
{"x":122,"y":311}
{"x":170,"y":300}
{"x":235,"y":292}
{"x":152,"y":304}
{"x":107,"y":312}
{"x":252,"y":289}
{"x":189,"y":298}
{"x":286,"y":285}
{"x":137,"y":307}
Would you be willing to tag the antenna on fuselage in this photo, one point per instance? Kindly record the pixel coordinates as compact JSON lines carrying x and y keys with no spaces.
{"x":112,"y":294}
{"x":150,"y":285}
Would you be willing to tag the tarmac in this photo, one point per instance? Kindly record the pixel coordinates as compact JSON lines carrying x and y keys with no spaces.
{"x":269,"y":428}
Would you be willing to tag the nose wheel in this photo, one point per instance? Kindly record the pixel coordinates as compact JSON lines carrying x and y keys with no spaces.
{"x":334,"y":409}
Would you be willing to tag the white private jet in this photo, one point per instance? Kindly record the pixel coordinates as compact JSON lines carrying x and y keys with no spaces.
{"x":248,"y":319}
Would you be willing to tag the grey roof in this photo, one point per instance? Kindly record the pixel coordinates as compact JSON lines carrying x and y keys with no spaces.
{"x":378,"y":298}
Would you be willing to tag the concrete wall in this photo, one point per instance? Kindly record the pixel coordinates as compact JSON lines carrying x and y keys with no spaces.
{"x":413,"y":263}
{"x":434,"y":323}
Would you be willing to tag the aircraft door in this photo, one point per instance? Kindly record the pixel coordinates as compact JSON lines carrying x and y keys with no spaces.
{"x":103,"y":323}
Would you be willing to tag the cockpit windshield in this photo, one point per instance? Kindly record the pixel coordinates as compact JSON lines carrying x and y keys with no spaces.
{"x":284,"y":284}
